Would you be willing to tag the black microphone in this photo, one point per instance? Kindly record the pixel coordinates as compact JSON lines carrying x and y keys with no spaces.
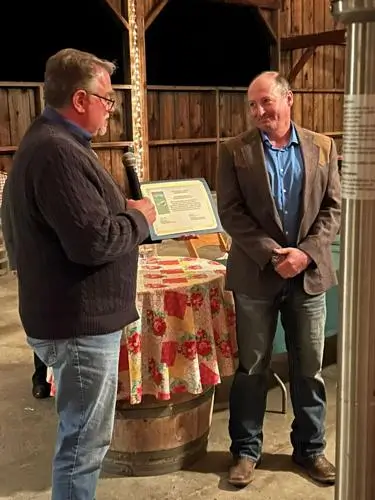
{"x":129,"y":162}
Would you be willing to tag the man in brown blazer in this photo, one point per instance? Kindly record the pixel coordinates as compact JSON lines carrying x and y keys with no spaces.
{"x":279,"y":199}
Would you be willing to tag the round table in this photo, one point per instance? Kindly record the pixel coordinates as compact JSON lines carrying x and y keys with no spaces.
{"x":185,"y":337}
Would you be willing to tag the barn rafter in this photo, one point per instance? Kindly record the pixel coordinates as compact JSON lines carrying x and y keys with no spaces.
{"x":136,"y":19}
{"x":185,"y":108}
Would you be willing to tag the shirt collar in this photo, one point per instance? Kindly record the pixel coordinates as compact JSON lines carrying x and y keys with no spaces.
{"x":292,"y":140}
{"x":54,"y":116}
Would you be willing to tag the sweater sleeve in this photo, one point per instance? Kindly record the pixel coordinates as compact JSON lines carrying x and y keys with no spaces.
{"x":70,"y":200}
{"x":7,"y":227}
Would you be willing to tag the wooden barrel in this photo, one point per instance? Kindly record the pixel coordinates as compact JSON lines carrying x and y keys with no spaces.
{"x":159,"y":437}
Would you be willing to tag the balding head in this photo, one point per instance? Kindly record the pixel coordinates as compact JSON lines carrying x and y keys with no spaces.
{"x":270,"y":80}
{"x":270,"y":102}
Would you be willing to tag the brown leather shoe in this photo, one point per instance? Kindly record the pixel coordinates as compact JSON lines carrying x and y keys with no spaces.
{"x":318,"y":468}
{"x":242,"y":472}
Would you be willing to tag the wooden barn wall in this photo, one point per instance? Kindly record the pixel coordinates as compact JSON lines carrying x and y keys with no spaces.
{"x":20,"y":103}
{"x":186,"y":125}
{"x":319,"y":87}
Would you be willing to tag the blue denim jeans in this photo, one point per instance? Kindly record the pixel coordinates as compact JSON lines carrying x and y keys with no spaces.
{"x":303,"y":319}
{"x":86,"y":375}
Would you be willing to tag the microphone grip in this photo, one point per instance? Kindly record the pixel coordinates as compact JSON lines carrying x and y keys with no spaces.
{"x":134,"y":184}
{"x":136,"y":194}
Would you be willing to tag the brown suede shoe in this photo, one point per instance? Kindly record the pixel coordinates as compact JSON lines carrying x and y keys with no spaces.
{"x":318,"y":468}
{"x":242,"y":472}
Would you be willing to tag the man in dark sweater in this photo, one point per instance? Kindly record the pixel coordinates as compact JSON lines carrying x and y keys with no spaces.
{"x":41,"y":388}
{"x":76,"y":241}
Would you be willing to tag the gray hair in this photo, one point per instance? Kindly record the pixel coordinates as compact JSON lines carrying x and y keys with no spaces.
{"x":281,"y":83}
{"x":69,"y":70}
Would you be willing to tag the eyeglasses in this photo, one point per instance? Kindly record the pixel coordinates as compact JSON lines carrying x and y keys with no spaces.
{"x":109,"y":103}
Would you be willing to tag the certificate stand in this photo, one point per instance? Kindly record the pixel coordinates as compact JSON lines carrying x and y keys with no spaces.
{"x":215,"y":239}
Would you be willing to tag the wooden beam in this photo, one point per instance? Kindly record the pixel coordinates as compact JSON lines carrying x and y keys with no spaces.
{"x":275,"y":54}
{"x":217,"y":126}
{"x":334,"y":37}
{"x":265,"y":4}
{"x":334,"y":134}
{"x":39,"y":99}
{"x":154,"y":13}
{"x":268,"y":24}
{"x":307,"y":54}
{"x":111,"y":145}
{"x":119,"y":16}
{"x":318,"y":91}
{"x":182,"y":142}
{"x":20,"y":84}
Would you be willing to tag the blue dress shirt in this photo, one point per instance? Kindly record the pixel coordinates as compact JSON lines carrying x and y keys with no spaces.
{"x":286,"y":175}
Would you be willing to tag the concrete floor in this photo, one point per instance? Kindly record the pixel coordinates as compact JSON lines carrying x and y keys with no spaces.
{"x":27,"y":435}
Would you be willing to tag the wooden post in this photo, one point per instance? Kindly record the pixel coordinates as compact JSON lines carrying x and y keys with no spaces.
{"x":275,"y":49}
{"x":217,"y":103}
{"x":139,"y":86}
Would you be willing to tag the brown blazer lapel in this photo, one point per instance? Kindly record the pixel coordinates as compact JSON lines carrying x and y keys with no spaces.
{"x":310,"y":155}
{"x":255,"y":160}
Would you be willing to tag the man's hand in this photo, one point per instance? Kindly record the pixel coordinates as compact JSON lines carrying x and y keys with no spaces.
{"x":291,"y":262}
{"x":145,"y":206}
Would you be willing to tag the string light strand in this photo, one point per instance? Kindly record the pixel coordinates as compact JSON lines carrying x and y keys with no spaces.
{"x":136,"y":90}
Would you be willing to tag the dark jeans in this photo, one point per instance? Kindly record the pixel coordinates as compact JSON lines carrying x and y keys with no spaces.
{"x":40,"y":372}
{"x":303,"y":319}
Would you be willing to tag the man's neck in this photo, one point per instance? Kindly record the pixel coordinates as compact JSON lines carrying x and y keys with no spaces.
{"x":280,"y":138}
{"x":61,"y":116}
{"x":72,"y":117}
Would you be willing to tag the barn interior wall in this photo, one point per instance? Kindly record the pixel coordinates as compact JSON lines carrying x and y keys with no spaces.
{"x":319,"y":87}
{"x":187,"y":123}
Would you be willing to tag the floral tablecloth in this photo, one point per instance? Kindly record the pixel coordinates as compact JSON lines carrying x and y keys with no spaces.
{"x":185,"y":337}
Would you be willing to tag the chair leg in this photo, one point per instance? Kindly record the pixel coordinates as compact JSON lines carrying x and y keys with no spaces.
{"x":284,"y":393}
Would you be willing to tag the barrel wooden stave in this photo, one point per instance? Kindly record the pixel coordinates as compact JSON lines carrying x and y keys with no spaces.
{"x":159,"y":437}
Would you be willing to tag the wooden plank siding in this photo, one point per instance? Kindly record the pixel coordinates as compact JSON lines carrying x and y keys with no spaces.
{"x":319,"y":87}
{"x":21,"y":102}
{"x":186,"y":125}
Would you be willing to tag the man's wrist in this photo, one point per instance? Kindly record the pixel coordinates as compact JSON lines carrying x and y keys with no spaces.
{"x":308,"y":258}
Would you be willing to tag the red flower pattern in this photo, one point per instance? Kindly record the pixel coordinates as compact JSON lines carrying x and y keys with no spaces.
{"x":189,"y":349}
{"x":196,"y":300}
{"x":159,"y":326}
{"x":204,"y":347}
{"x":215,"y":305}
{"x":134,"y":343}
{"x":208,"y":342}
{"x":225,"y":348}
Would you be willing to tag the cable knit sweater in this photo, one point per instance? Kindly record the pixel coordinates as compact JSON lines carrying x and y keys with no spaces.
{"x":76,"y":244}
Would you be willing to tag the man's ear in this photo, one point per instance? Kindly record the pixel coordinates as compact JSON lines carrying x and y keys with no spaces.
{"x":79,"y":101}
{"x":290,"y":98}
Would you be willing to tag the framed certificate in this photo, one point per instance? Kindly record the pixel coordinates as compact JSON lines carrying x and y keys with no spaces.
{"x":183,"y":207}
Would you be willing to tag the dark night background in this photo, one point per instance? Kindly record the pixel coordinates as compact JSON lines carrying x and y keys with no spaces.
{"x":192,"y":42}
